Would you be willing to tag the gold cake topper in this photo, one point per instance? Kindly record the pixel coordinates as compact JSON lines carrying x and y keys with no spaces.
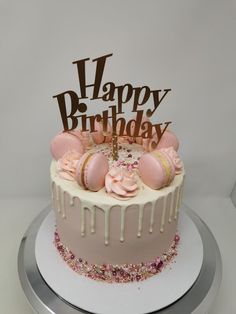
{"x":73,"y":107}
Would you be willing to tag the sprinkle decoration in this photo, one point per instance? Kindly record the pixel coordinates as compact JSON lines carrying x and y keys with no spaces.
{"x":117,"y":273}
{"x":128,"y":157}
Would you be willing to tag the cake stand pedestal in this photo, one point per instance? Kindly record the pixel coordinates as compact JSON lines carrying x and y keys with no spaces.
{"x":44,"y":300}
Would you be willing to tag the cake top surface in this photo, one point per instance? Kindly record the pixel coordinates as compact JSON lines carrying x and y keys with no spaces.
{"x":128,"y":158}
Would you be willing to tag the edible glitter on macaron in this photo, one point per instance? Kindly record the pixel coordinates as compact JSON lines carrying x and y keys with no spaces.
{"x":117,"y":273}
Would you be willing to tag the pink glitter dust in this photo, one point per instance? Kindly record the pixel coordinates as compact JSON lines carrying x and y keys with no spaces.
{"x":116,"y":273}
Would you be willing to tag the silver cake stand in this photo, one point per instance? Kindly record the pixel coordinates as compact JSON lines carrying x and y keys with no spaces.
{"x":197,"y":300}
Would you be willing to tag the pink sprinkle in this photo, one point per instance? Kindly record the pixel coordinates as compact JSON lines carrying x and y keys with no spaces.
{"x":177,"y":238}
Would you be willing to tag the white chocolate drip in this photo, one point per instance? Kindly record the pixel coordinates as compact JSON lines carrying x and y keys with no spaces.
{"x":170,"y":203}
{"x":58,"y":198}
{"x":177,"y":202}
{"x":180,"y":198}
{"x":140,"y":220}
{"x":82,"y":218}
{"x":153,"y":208}
{"x":72,"y":200}
{"x":172,"y":195}
{"x":122,"y":225}
{"x":107,"y":225}
{"x":61,"y":208}
{"x":93,"y":213}
{"x":63,"y":205}
{"x":163,"y":214}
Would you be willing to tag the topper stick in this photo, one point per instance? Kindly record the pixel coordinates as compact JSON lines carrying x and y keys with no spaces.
{"x":114,"y":146}
{"x":114,"y":140}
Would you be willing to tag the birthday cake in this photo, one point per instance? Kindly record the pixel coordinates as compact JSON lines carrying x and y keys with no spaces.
{"x":116,"y":191}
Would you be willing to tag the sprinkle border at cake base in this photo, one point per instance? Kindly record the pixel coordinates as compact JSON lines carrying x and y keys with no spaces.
{"x":117,"y":273}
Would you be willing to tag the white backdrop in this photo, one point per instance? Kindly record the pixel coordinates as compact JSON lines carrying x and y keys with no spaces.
{"x":188,"y":46}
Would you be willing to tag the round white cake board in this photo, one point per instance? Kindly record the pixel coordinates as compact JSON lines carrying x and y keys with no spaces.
{"x":147,"y":296}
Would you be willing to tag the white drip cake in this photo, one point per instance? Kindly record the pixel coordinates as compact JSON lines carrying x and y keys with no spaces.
{"x":116,"y":221}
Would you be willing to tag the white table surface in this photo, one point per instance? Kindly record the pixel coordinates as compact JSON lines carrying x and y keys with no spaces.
{"x":16,"y":215}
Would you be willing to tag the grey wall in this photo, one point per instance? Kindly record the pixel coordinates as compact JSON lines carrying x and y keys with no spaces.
{"x":188,"y":46}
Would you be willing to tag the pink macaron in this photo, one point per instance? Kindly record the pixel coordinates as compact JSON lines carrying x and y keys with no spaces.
{"x":156,"y":169}
{"x":149,"y":144}
{"x":99,"y":136}
{"x":64,"y":142}
{"x":168,"y":139}
{"x":91,"y":171}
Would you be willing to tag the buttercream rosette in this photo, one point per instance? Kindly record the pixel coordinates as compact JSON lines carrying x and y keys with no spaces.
{"x":66,"y":166}
{"x":121,"y":183}
{"x":174,"y":157}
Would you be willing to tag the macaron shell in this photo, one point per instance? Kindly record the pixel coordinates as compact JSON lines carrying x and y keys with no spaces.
{"x":96,"y":172}
{"x":91,"y":175}
{"x":79,"y":168}
{"x":63,"y":142}
{"x":153,"y":143}
{"x":152,"y":172}
{"x":168,"y":139}
{"x":98,"y":136}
